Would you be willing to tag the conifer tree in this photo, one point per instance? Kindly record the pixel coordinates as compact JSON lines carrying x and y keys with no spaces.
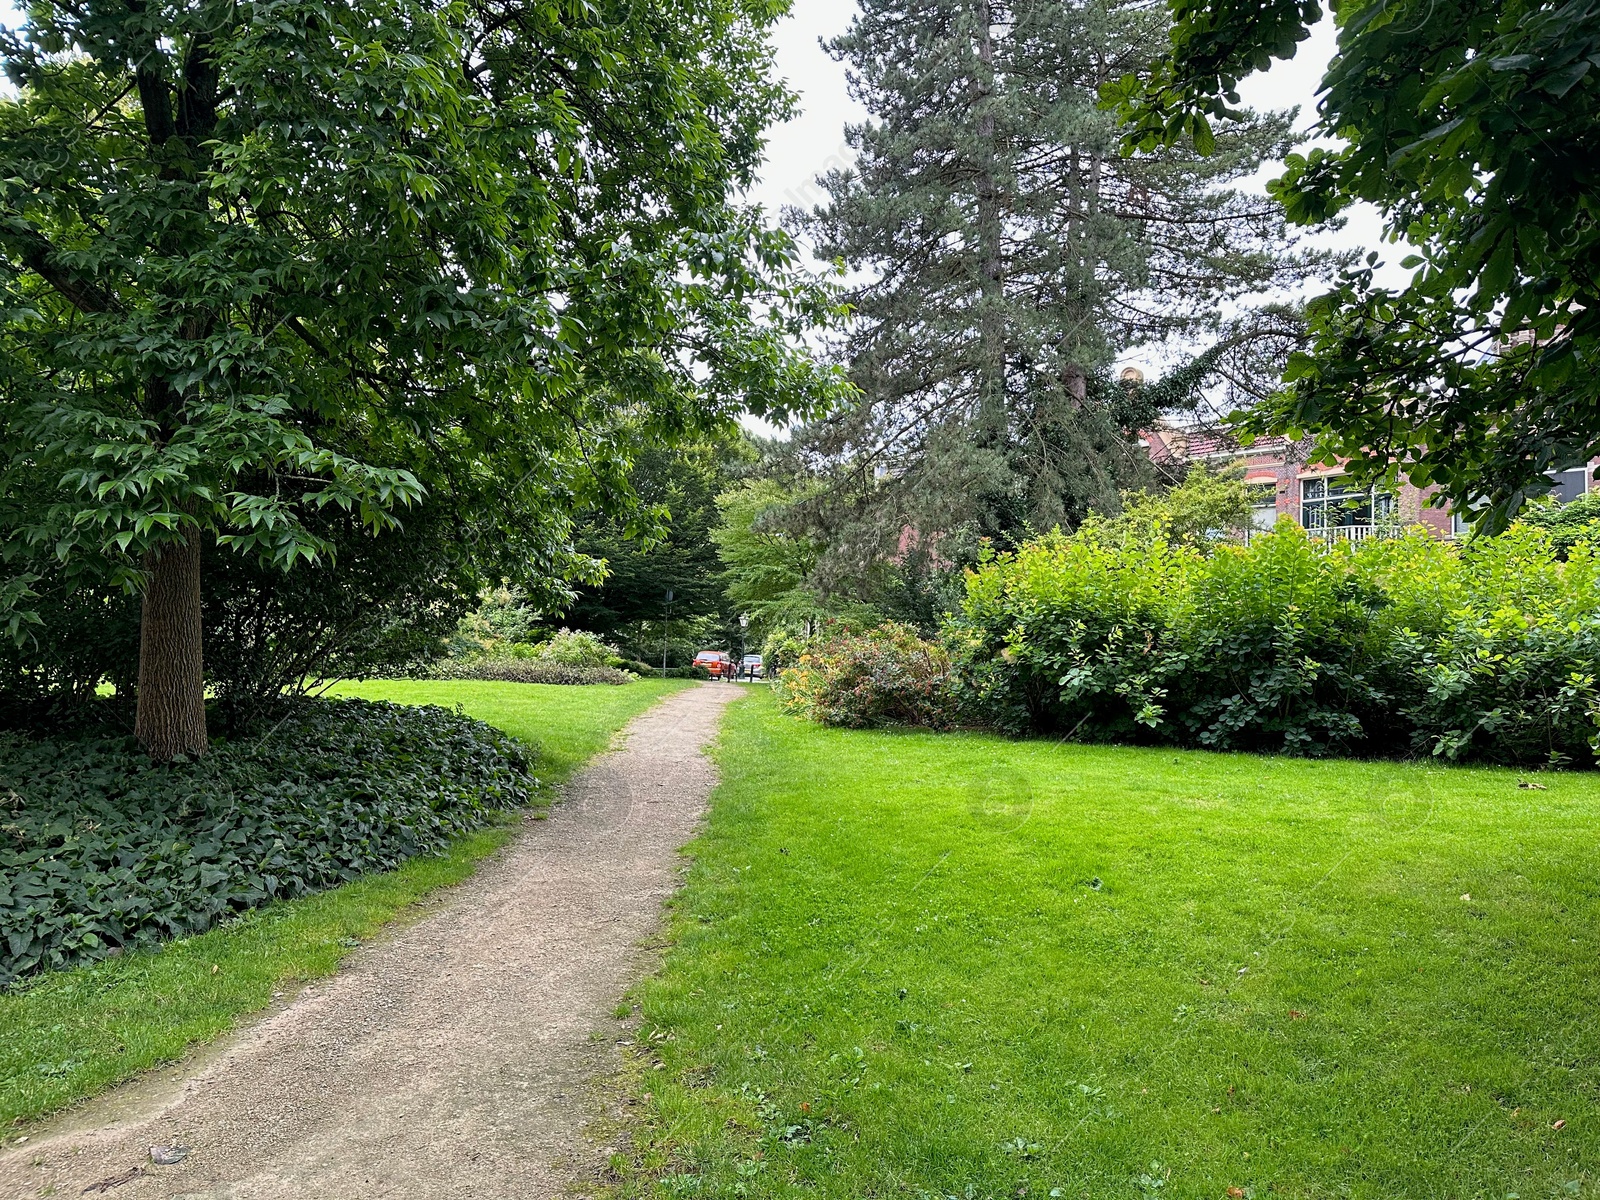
{"x":1008,"y":254}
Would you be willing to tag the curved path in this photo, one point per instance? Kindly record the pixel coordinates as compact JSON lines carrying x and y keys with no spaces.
{"x":452,"y":1060}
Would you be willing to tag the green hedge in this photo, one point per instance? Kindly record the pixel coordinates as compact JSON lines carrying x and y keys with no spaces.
{"x":528,"y":670}
{"x":101,"y":850}
{"x":1400,"y":645}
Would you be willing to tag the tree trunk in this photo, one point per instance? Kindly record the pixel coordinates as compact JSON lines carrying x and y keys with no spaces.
{"x":992,"y":418}
{"x":172,"y":690}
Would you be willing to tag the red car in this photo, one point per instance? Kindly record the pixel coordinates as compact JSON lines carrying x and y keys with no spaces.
{"x":717,"y":662}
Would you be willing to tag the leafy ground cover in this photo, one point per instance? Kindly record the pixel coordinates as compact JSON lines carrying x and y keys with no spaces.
{"x":957,"y":966}
{"x":103,"y":851}
{"x":68,"y":1034}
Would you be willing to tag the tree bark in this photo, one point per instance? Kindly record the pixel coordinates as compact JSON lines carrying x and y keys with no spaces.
{"x":992,"y":419}
{"x":172,"y":691}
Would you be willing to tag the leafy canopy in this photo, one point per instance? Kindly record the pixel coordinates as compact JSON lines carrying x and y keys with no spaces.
{"x":1475,"y":128}
{"x":268,"y":259}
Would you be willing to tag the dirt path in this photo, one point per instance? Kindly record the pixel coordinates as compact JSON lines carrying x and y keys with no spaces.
{"x":451,"y":1061}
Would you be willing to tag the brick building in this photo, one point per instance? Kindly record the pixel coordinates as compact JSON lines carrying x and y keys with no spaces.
{"x":1317,"y":497}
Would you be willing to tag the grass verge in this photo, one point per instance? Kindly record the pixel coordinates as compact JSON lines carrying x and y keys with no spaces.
{"x":956,"y":966}
{"x":569,"y":725}
{"x":69,"y":1034}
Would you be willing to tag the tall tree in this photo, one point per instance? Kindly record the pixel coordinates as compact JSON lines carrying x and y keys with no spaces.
{"x":268,"y":258}
{"x":680,"y":484}
{"x":1008,"y":254}
{"x":1474,"y":126}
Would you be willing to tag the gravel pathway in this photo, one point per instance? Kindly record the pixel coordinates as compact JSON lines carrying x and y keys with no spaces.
{"x":454,"y":1059}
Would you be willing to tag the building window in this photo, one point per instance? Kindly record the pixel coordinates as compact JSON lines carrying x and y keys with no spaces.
{"x":1263,"y":505}
{"x":1334,"y":502}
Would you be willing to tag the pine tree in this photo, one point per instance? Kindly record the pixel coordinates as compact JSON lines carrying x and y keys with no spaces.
{"x":1009,"y":253}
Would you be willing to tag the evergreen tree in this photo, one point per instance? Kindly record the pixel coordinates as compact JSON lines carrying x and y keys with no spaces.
{"x":1008,"y":254}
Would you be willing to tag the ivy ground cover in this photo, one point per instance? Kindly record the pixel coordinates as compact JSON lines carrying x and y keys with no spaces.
{"x":927,"y":965}
{"x":67,"y":1034}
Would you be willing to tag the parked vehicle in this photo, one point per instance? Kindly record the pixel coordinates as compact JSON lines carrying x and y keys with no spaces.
{"x":718,"y":662}
{"x":753,"y":667}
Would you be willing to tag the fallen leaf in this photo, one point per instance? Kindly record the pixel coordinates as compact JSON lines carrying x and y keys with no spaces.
{"x":1295,"y":1014}
{"x":1559,"y":1125}
{"x":1528,"y":785}
{"x":215,"y":970}
{"x":1467,"y":896}
{"x":168,"y":1156}
{"x":1235,"y":1194}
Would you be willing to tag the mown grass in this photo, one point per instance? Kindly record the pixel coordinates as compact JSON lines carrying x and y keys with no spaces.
{"x":70,"y":1034}
{"x":956,"y":966}
{"x":568,"y":725}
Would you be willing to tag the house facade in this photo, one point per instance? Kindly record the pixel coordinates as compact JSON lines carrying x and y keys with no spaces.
{"x":1320,"y":498}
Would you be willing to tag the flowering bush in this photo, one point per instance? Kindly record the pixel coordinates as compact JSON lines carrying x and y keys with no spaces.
{"x":884,"y":676}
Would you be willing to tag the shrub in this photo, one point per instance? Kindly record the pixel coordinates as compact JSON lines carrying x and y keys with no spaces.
{"x":1277,"y":649}
{"x":1071,"y":634}
{"x":571,"y":648}
{"x":1511,"y":675}
{"x":1568,"y":524}
{"x":527,"y":670}
{"x":101,"y":850}
{"x":1489,"y":651}
{"x":688,"y":673}
{"x":886,"y":676}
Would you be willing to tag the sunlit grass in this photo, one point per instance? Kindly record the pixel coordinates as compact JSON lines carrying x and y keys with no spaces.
{"x":567,"y":725}
{"x":922,"y":965}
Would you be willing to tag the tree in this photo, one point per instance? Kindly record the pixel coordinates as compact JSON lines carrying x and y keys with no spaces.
{"x":682,"y":485}
{"x":1474,"y":126}
{"x":767,"y":569}
{"x":1008,"y":254}
{"x":268,"y":260}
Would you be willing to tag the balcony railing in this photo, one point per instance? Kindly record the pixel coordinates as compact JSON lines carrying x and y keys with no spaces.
{"x":1339,"y":533}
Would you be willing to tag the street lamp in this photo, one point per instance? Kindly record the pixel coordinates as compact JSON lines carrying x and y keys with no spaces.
{"x":666,"y":633}
{"x":744,"y":646}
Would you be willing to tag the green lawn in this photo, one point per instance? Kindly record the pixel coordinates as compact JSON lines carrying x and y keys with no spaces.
{"x":569,"y":725}
{"x":73,"y":1033}
{"x":956,"y":966}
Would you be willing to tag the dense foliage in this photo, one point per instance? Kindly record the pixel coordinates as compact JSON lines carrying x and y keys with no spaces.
{"x":101,"y":850}
{"x":862,"y":680}
{"x":509,"y":669}
{"x":1399,"y":645}
{"x":1568,"y":524}
{"x":267,"y":263}
{"x":1007,"y":255}
{"x":1474,"y":126}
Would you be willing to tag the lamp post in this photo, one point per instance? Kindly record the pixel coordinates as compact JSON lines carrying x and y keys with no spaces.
{"x":666,"y":633}
{"x":744,"y":645}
